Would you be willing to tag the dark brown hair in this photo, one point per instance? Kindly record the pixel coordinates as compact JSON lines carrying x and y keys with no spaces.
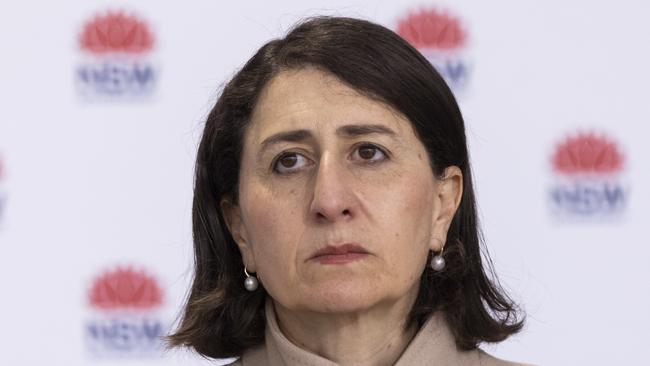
{"x":221,"y":319}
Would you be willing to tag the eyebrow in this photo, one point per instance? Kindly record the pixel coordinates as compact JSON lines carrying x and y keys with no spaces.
{"x":347,"y":131}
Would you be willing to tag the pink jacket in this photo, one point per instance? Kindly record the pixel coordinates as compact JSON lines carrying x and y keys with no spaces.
{"x":432,"y":345}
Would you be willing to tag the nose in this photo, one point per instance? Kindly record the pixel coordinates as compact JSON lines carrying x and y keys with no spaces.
{"x":333,"y":200}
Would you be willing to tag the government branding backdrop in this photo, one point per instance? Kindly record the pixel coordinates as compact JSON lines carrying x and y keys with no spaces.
{"x":587,"y":170}
{"x":115,"y":51}
{"x":3,"y":191}
{"x":441,"y":37}
{"x":125,"y":318}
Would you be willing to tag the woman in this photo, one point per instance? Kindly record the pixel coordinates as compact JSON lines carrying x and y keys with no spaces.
{"x":334,"y":216}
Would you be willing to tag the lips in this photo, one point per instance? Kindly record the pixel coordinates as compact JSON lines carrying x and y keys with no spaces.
{"x":338,"y":254}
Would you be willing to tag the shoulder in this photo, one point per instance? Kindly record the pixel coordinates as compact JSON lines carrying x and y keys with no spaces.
{"x":486,"y":359}
{"x":256,"y":356}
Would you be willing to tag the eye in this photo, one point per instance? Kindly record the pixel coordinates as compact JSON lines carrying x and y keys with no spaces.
{"x":289,"y":162}
{"x":369,"y":153}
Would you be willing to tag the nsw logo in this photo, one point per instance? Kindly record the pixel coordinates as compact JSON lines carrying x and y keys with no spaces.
{"x":441,"y":39}
{"x":125,"y":318}
{"x":115,"y":51}
{"x":587,"y":171}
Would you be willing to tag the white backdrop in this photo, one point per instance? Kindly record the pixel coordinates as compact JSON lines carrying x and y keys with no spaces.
{"x":95,"y":190}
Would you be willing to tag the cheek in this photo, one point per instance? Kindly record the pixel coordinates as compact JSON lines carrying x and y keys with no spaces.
{"x":406,"y":213}
{"x":273,"y":230}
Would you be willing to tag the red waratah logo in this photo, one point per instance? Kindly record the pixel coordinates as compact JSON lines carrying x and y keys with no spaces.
{"x":432,"y":29}
{"x":587,"y":153}
{"x":125,"y":288}
{"x":116,"y":32}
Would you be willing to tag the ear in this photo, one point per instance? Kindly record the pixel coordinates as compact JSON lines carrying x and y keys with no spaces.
{"x":233,"y":218}
{"x":449,"y":191}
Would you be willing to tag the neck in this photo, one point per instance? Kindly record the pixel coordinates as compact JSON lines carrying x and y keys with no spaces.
{"x":374,"y":336}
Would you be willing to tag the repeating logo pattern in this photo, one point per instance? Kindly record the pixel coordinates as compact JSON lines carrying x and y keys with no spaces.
{"x":125,"y":320}
{"x":115,"y":50}
{"x":587,"y":171}
{"x":442,"y":39}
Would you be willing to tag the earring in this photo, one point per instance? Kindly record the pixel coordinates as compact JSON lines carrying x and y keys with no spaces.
{"x":250,"y":282}
{"x":438,"y":262}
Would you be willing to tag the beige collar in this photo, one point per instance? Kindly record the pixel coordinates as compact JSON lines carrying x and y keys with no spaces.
{"x":432,"y":345}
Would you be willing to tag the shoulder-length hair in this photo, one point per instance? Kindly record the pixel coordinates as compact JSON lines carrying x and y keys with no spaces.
{"x":221,"y":319}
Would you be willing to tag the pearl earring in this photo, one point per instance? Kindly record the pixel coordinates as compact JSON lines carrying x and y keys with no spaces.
{"x":438,"y":262}
{"x":250,"y":282}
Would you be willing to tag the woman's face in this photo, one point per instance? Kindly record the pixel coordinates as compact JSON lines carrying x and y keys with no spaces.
{"x":324,"y":166}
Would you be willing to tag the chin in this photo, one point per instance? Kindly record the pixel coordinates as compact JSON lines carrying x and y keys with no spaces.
{"x":342,"y":297}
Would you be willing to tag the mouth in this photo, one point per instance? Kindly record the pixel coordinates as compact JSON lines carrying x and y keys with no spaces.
{"x":340,"y":254}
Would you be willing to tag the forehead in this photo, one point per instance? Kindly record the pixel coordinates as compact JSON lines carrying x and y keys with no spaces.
{"x":313,"y":99}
